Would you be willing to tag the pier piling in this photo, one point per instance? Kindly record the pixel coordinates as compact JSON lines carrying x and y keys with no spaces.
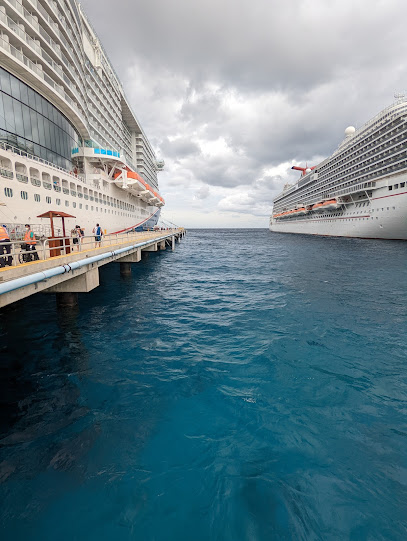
{"x":66,"y":299}
{"x":125,"y":269}
{"x":78,"y":272}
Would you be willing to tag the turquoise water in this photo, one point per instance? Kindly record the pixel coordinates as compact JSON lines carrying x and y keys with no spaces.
{"x":248,"y":386}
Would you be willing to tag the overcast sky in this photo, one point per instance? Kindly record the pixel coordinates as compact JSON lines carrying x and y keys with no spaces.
{"x":231,"y":93}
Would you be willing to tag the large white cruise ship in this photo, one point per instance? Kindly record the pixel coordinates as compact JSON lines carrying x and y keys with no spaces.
{"x":69,"y":141}
{"x":359,"y":191}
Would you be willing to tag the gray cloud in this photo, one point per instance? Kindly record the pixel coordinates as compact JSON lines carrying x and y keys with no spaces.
{"x":231,"y":93}
{"x":179,"y":147}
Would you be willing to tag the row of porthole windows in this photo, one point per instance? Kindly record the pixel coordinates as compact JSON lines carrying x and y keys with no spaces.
{"x":109,"y":201}
{"x":8,"y":192}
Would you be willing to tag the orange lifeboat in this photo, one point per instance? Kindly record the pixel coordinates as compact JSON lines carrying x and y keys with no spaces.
{"x":332,"y":204}
{"x":318,"y":207}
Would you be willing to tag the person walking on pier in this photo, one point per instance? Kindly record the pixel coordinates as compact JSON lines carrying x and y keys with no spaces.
{"x":31,"y":241}
{"x":98,"y":235}
{"x":5,"y":248}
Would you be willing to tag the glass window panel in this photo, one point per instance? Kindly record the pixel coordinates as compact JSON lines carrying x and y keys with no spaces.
{"x":37,"y":150}
{"x":31,"y":98}
{"x":34,"y":126}
{"x":53,"y":145}
{"x":58,"y":119}
{"x":47,"y":135}
{"x":5,"y":81}
{"x":41,"y":130}
{"x":50,"y":111}
{"x":45,"y":109}
{"x":2,"y":118}
{"x":27,"y":123}
{"x":9,"y":113}
{"x":15,"y":88}
{"x":21,"y":143}
{"x":43,"y":153}
{"x":58,"y":140}
{"x":38,"y":103}
{"x":18,"y":118}
{"x":24,"y":93}
{"x":56,"y":115}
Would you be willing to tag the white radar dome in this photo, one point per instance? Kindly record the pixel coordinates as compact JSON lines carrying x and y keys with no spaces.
{"x":350,"y":130}
{"x":308,"y":170}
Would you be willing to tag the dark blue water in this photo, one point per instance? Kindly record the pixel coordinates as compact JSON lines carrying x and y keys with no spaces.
{"x":248,"y":386}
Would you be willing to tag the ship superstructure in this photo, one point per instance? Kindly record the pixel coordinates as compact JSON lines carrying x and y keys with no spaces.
{"x":359,"y":191}
{"x":69,"y":140}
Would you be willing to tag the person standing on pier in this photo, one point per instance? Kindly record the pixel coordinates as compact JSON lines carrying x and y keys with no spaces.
{"x":30,"y":241}
{"x":81,"y":233}
{"x":98,"y":235}
{"x":4,"y":247}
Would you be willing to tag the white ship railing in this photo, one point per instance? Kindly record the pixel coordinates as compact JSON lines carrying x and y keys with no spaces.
{"x":384,"y":115}
{"x":24,"y":154}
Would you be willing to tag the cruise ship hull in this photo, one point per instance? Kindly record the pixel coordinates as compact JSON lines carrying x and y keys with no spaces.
{"x":70,"y":144}
{"x":385,"y":217}
{"x":360,"y":191}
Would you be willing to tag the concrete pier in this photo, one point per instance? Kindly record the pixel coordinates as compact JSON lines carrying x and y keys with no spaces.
{"x":78,"y":272}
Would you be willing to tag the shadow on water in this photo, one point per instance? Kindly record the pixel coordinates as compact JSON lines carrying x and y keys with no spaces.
{"x":40,"y":402}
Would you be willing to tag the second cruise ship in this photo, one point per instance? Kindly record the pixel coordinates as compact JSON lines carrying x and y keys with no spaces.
{"x":359,"y":191}
{"x":69,"y":140}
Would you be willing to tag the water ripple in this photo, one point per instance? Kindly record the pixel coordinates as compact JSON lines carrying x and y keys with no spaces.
{"x":248,"y":386}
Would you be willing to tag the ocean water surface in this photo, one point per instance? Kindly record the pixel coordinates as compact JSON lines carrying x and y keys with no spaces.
{"x":248,"y":386}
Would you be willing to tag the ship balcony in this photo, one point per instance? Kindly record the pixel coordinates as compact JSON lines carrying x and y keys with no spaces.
{"x":34,"y":48}
{"x":14,"y":60}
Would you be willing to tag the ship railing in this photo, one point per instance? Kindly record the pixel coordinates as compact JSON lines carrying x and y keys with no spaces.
{"x":24,"y":154}
{"x":16,"y":252}
{"x":390,"y":111}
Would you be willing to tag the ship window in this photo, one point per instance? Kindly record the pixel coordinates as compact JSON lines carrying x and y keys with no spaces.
{"x":396,"y":186}
{"x":402,"y":184}
{"x":24,"y":195}
{"x":67,"y":203}
{"x":91,"y":208}
{"x":48,"y":200}
{"x":37,"y":197}
{"x":74,"y":205}
{"x":80,"y":205}
{"x":97,"y":209}
{"x":86,"y":207}
{"x":58,"y":201}
{"x":8,"y":192}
